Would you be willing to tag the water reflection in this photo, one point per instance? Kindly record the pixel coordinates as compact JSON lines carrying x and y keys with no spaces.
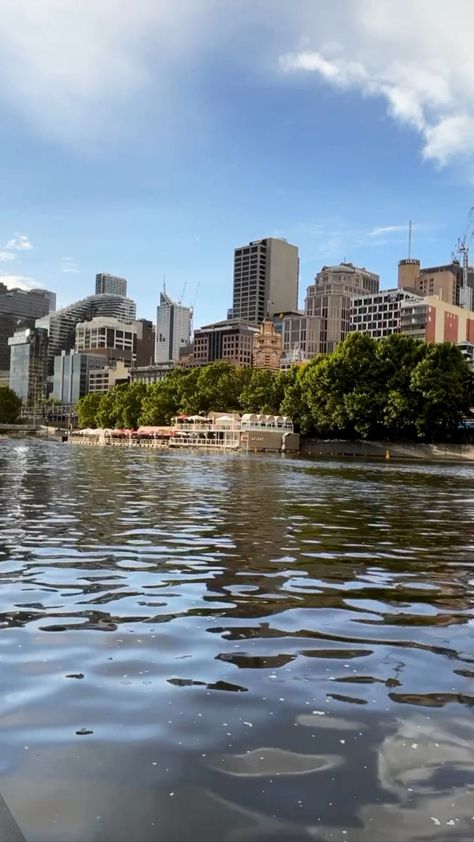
{"x":230,"y":647}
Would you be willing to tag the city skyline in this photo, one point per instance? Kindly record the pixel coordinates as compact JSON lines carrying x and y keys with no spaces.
{"x":272,"y":119}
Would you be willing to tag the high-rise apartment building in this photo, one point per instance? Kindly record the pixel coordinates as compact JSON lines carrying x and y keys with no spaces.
{"x":106,"y":284}
{"x":19,"y":309}
{"x":329,"y":299}
{"x":265,"y":280}
{"x":29,"y":365}
{"x":61,"y":325}
{"x":173,"y":329}
{"x":379,"y":315}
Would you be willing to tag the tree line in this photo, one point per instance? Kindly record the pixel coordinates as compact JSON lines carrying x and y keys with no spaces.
{"x":395,"y":389}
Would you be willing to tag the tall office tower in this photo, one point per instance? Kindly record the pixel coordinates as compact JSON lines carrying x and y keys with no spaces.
{"x":71,"y":375}
{"x":19,"y":308}
{"x":29,"y":365}
{"x":173,"y":329}
{"x":265,"y":280}
{"x":106,"y":284}
{"x":62,"y":324}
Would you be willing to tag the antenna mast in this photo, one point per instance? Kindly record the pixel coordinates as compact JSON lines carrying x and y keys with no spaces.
{"x":409,"y":239}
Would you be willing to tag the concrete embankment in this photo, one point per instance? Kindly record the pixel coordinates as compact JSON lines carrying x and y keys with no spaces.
{"x":21,"y":430}
{"x":391,"y":450}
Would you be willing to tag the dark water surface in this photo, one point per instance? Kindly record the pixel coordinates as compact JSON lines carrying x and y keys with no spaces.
{"x":213,"y":647}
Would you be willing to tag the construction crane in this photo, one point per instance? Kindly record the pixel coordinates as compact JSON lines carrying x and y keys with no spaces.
{"x":182,"y":294}
{"x":462,"y":249}
{"x":193,"y":305}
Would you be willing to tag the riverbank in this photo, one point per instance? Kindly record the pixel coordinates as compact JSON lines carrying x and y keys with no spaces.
{"x":325,"y":448}
{"x":26,"y":430}
{"x":387,"y":450}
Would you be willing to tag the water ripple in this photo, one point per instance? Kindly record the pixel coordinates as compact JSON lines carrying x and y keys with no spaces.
{"x":234,"y":647}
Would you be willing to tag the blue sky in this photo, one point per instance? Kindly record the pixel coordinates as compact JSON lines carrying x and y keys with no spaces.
{"x":149,"y":140}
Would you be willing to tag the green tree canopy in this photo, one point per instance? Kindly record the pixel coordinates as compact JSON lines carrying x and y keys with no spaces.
{"x":161,"y":402}
{"x":442,"y":385}
{"x":394,"y":388}
{"x":87,"y":407}
{"x":10,"y":406}
{"x":262,"y":392}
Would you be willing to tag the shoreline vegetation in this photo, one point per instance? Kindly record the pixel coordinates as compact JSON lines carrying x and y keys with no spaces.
{"x":396,"y":390}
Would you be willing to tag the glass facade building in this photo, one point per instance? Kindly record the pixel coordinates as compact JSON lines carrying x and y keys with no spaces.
{"x":19,"y":309}
{"x":29,"y":365}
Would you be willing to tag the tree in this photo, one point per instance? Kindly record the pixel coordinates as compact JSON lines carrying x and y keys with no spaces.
{"x":129,"y":405}
{"x":161,"y":402}
{"x":218,"y":387}
{"x":260,"y":393}
{"x":293,"y":404}
{"x":10,"y":406}
{"x":398,"y":355}
{"x":343,"y":390}
{"x":87,"y":407}
{"x":107,"y":414}
{"x":442,"y":384}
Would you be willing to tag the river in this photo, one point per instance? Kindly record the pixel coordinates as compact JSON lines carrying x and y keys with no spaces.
{"x":229,"y":647}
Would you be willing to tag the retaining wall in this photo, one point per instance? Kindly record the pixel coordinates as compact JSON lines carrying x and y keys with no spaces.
{"x":374,"y":449}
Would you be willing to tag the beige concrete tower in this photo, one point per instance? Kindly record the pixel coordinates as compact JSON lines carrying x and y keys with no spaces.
{"x":408,"y":273}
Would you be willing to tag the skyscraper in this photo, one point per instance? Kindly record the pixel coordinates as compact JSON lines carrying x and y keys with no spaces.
{"x":19,"y":308}
{"x":29,"y":365}
{"x":329,"y":300}
{"x":173,"y":329}
{"x":265,"y":280}
{"x":110,"y":284}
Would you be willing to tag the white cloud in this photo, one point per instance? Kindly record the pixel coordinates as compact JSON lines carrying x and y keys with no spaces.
{"x":69,"y":266}
{"x":72,"y":67}
{"x":83,"y":71}
{"x":19,"y":282}
{"x":406,"y":56}
{"x":387,"y":229}
{"x":19,"y":242}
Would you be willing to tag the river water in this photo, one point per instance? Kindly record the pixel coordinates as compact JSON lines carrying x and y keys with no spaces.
{"x":229,"y":647}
